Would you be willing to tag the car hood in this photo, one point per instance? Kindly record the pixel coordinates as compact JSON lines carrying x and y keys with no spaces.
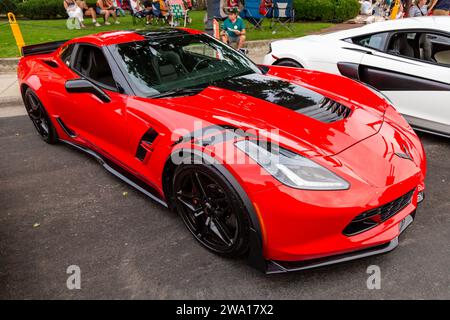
{"x":288,"y":104}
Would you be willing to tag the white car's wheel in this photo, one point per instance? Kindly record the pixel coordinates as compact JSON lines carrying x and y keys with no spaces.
{"x":288,"y":63}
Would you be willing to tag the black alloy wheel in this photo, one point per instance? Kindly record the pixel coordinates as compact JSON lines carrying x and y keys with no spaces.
{"x":211,"y":209}
{"x":39,"y":117}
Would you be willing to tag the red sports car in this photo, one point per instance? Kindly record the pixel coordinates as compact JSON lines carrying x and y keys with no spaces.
{"x":293,"y":168}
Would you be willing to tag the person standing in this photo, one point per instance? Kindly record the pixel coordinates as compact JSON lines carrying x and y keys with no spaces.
{"x":440,"y":7}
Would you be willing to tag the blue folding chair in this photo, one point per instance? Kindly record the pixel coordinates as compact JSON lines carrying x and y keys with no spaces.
{"x":283,"y":15}
{"x":251,"y":13}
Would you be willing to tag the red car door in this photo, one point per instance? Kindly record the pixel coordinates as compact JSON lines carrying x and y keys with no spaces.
{"x":101,"y":124}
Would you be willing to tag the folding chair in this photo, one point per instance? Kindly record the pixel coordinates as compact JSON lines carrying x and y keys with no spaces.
{"x":136,"y":14}
{"x":283,"y":15}
{"x":178,"y":12}
{"x":251,"y":13}
{"x":157,"y":13}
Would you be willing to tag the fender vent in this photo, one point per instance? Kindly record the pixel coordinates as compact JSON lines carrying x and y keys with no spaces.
{"x":327,"y":110}
{"x":145,"y":144}
{"x":51,"y":63}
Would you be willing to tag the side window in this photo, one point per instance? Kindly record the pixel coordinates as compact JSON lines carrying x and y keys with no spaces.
{"x":66,"y":54}
{"x":92,"y":64}
{"x":404,"y":44}
{"x":436,"y":47}
{"x":374,"y":41}
{"x":425,"y":46}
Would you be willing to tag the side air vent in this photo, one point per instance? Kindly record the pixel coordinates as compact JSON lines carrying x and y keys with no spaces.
{"x":327,"y":110}
{"x":51,"y":63}
{"x":145,"y":144}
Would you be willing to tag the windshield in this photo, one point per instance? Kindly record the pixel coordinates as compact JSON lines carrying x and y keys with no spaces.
{"x":178,"y":62}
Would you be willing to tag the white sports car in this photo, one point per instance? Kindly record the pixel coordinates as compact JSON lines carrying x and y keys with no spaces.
{"x":408,"y":60}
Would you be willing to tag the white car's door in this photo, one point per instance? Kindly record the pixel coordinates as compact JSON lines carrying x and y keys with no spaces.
{"x":414,"y":72}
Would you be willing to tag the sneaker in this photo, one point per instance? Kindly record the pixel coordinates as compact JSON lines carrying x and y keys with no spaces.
{"x":107,"y":23}
{"x":117,"y":22}
{"x":97,"y":24}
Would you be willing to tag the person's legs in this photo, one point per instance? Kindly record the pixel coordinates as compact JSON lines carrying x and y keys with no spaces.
{"x":113,"y":13}
{"x":78,"y":13}
{"x":241,"y":41}
{"x":107,"y":14}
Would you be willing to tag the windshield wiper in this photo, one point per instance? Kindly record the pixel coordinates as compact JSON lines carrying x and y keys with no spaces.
{"x":178,"y":92}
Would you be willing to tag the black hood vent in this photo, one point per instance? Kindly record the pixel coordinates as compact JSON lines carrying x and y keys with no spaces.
{"x":287,"y":95}
{"x":327,"y":111}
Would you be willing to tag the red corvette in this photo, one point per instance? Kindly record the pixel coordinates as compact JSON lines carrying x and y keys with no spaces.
{"x":293,"y":168}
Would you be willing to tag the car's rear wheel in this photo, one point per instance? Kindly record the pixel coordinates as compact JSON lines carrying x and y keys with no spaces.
{"x":288,"y":63}
{"x":211,"y":209}
{"x":39,"y":117}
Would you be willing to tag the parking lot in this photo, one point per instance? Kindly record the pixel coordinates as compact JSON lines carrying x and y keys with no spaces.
{"x":59,"y":207}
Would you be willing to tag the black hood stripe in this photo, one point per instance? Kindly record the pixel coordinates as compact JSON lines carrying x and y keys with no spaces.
{"x":287,"y":95}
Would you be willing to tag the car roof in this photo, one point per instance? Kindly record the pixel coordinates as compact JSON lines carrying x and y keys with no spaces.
{"x":123,"y":36}
{"x":435,"y":23}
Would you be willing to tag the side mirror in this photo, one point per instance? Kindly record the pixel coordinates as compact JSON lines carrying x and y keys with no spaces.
{"x":85,"y":86}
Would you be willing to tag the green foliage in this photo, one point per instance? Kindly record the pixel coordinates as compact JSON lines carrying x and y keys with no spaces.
{"x":42,"y":9}
{"x":326,"y":10}
{"x":8,"y":6}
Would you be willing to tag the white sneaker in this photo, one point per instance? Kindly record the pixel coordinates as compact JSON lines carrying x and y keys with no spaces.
{"x":117,"y":22}
{"x":107,"y":23}
{"x":97,"y":24}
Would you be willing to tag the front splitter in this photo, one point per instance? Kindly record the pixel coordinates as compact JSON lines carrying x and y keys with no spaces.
{"x":290,"y":266}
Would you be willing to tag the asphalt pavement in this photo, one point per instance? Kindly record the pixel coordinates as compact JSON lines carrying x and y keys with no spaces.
{"x":59,"y":207}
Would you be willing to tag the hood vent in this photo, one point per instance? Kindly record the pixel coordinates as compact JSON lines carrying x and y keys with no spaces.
{"x":327,"y":110}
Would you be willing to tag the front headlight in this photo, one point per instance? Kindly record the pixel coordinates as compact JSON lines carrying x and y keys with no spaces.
{"x":292,"y":169}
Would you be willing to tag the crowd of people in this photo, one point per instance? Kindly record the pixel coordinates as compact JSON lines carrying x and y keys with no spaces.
{"x":405,"y":8}
{"x":148,"y":9}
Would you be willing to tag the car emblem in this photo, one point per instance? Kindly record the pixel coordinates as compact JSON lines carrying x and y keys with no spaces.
{"x":406,"y":155}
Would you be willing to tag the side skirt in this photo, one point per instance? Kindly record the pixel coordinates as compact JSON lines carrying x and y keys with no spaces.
{"x":122,"y":174}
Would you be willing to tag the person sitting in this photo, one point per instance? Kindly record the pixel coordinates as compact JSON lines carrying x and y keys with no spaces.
{"x":88,"y":11}
{"x":233,"y":29}
{"x":106,"y":8}
{"x":141,"y":10}
{"x":440,"y":7}
{"x":74,"y":11}
{"x":418,"y":9}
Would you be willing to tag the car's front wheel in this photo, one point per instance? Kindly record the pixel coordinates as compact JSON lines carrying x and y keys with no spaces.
{"x":39,"y":117}
{"x":211,"y":209}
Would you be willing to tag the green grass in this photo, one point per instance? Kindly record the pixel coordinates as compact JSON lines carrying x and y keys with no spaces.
{"x":37,"y":31}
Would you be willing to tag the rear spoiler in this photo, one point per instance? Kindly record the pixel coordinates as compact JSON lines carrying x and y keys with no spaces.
{"x":42,"y":48}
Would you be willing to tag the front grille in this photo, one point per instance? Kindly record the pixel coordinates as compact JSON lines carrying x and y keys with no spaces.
{"x":373,"y":217}
{"x":327,"y":110}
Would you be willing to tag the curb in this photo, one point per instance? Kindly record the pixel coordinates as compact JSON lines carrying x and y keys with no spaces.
{"x":8,"y":65}
{"x":10,"y":101}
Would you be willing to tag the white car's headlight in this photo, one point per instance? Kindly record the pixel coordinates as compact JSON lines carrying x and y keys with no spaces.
{"x":292,"y":169}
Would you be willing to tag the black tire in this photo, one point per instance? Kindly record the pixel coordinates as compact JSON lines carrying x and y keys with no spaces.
{"x":288,"y":63}
{"x":39,"y":116}
{"x":212,"y":197}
